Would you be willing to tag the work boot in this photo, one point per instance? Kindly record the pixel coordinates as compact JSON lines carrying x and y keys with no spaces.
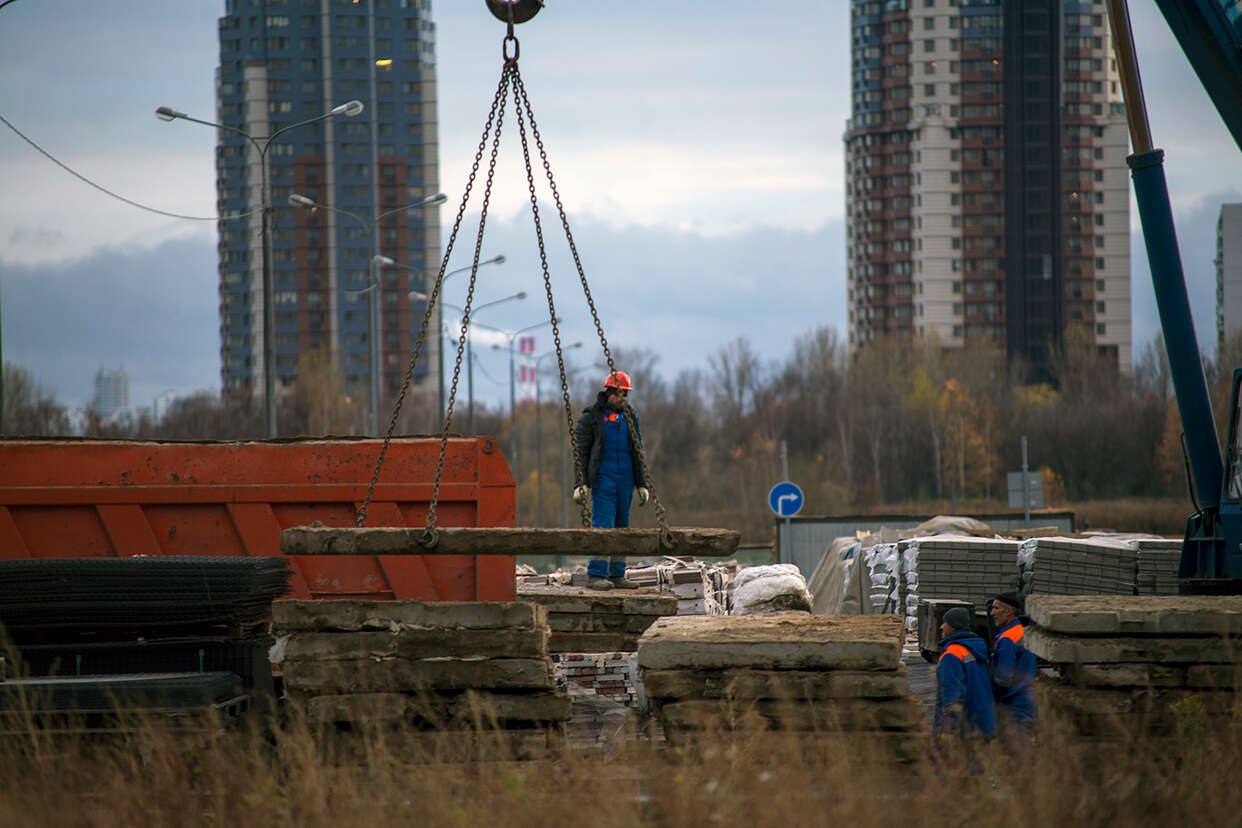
{"x":622,"y":582}
{"x":599,"y":583}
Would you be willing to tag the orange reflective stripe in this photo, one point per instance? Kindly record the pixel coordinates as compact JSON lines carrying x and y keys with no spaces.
{"x":958,"y":651}
{"x":1014,"y":633}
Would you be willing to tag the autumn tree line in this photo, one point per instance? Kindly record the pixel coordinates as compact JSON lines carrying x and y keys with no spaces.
{"x":897,"y":422}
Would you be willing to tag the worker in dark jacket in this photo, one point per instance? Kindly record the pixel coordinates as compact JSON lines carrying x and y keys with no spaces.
{"x":964,"y":704}
{"x":608,"y":456}
{"x":1013,"y":665}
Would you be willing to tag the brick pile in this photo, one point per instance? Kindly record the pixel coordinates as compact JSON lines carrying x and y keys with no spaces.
{"x":598,"y":675}
{"x":701,"y":588}
{"x":422,"y":671}
{"x":589,"y":621}
{"x":788,"y":672}
{"x":1145,"y":665}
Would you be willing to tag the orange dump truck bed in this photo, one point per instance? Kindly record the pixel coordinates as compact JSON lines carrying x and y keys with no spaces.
{"x":87,"y":498}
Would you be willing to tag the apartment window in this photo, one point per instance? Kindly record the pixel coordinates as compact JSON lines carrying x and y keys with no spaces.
{"x":1099,"y":285}
{"x":929,"y":89}
{"x":1099,"y":263}
{"x":930,"y":67}
{"x":1101,"y":329}
{"x":957,"y":287}
{"x":929,"y":45}
{"x":929,"y":23}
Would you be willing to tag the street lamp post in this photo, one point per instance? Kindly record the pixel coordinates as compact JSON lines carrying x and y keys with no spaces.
{"x":470,"y":354}
{"x":494,"y":260}
{"x":262,"y":145}
{"x":373,"y":265}
{"x":514,"y":444}
{"x":539,"y":433}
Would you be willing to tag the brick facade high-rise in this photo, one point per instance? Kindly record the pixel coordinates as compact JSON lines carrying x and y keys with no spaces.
{"x":286,"y":61}
{"x":987,"y":191}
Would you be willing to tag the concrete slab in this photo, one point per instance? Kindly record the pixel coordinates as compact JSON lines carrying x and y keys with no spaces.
{"x":1067,"y":649}
{"x":782,"y":641}
{"x":1137,"y":615}
{"x":591,"y":642}
{"x":395,"y":675}
{"x":789,"y":685}
{"x":568,"y":599}
{"x":827,"y":716}
{"x":349,"y":615}
{"x":591,"y":622}
{"x":417,"y":644}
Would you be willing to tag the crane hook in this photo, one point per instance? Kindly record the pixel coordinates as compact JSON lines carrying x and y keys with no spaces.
{"x":522,"y":10}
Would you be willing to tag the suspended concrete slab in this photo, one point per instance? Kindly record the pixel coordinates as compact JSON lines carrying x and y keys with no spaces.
{"x":595,"y":543}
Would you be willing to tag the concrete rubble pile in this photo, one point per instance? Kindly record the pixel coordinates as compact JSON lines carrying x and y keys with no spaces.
{"x":1145,"y":665}
{"x":793,"y":673}
{"x":1078,"y":566}
{"x":609,"y":676}
{"x":1158,"y":559}
{"x":415,"y":669}
{"x":589,"y":621}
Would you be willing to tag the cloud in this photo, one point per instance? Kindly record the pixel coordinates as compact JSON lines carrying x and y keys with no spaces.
{"x":151,"y":311}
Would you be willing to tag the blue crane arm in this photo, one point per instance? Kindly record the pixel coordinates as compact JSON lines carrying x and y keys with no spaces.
{"x":1210,"y":33}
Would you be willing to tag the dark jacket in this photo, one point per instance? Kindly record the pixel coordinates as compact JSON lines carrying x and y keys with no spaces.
{"x":589,"y":433}
{"x":964,"y":687}
{"x":1013,"y":673}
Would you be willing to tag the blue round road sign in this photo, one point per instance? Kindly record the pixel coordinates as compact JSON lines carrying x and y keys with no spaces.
{"x":785,"y":499}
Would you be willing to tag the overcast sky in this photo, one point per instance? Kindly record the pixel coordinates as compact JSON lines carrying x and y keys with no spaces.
{"x":697,"y":146}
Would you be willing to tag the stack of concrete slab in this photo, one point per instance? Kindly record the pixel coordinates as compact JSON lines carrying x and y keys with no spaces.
{"x":1145,"y":665}
{"x":1158,"y":560}
{"x":593,"y":621}
{"x":790,"y":672}
{"x":412,"y":667}
{"x":598,"y":675}
{"x":961,"y":568}
{"x":1078,"y":566}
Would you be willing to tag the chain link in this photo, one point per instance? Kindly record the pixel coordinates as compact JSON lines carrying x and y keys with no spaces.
{"x":666,"y":536}
{"x":429,"y":534}
{"x":510,"y":77}
{"x":497,"y":104}
{"x":584,"y":507}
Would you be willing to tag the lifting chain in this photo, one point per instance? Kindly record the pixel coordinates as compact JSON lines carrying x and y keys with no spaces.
{"x":511,"y":78}
{"x":494,"y":116}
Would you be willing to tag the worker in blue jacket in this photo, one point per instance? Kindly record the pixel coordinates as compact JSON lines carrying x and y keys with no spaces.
{"x":607,"y":441}
{"x":1013,"y":666}
{"x":964,"y":704}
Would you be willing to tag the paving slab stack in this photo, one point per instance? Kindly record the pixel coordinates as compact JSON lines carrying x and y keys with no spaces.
{"x":1139,"y":665}
{"x":1158,"y":560}
{"x":786,"y":672}
{"x":701,"y":588}
{"x":591,"y":621}
{"x":958,"y":568}
{"x":1078,"y":566}
{"x":420,"y":669}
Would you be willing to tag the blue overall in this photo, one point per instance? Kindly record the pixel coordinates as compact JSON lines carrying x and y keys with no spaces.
{"x":611,"y":497}
{"x":1014,"y":669}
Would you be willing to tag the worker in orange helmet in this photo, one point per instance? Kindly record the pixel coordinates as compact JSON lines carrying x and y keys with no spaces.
{"x":608,"y":456}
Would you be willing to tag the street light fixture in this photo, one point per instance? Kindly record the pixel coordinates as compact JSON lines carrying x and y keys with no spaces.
{"x":519,"y":296}
{"x":262,"y":144}
{"x":539,"y":433}
{"x":514,"y":447}
{"x":376,"y":262}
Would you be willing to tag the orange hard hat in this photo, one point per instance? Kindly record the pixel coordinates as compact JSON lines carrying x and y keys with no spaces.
{"x":619,"y":380}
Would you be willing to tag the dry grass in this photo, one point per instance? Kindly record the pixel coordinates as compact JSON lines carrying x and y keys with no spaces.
{"x":241,"y":778}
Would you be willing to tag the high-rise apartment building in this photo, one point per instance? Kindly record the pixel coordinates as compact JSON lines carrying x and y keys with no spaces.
{"x":111,"y":392}
{"x":287,"y":61}
{"x":987,"y":190}
{"x":1228,"y":273}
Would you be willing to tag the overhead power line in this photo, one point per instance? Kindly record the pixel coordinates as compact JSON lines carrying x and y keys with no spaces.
{"x":104,"y":189}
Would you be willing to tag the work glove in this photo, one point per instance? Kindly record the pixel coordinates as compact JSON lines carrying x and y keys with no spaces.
{"x":580,"y":494}
{"x":644,"y":494}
